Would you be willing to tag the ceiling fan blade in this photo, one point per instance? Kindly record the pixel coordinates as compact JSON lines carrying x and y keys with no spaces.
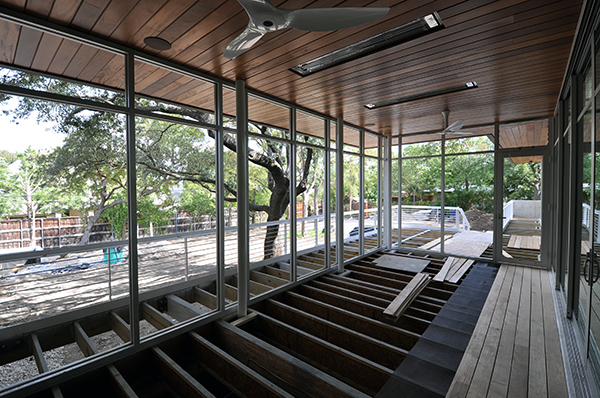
{"x":457,"y":125}
{"x":243,"y":42}
{"x":326,"y":19}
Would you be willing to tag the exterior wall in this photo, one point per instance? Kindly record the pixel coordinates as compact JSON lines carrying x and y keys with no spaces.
{"x":527,"y":208}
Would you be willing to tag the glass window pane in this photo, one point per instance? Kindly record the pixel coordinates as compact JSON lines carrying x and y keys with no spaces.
{"x":268,"y":118}
{"x":421,"y":195}
{"x":351,"y":140}
{"x":71,"y":161}
{"x":480,"y":143}
{"x":170,"y":93}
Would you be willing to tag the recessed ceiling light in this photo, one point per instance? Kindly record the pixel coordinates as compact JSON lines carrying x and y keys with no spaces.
{"x":427,"y":94}
{"x":401,"y":34}
{"x":157,"y":43}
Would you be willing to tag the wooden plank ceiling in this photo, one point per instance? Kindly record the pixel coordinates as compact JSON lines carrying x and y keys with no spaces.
{"x":515,"y":50}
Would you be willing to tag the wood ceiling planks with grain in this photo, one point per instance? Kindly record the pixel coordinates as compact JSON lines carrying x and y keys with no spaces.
{"x":88,"y":14}
{"x":112,"y":74}
{"x":62,"y":58}
{"x":435,"y":55}
{"x":449,"y":61}
{"x":515,"y":49}
{"x":64,"y":11}
{"x":9,"y":39}
{"x":431,"y":45}
{"x":112,"y":16}
{"x":29,"y":40}
{"x":45,"y":53}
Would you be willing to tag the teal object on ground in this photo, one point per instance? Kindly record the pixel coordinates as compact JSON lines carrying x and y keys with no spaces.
{"x":112,"y":255}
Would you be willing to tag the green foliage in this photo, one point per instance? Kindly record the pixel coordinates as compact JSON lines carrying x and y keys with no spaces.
{"x":480,"y":198}
{"x":147,"y":211}
{"x":197,"y":201}
{"x":522,"y":181}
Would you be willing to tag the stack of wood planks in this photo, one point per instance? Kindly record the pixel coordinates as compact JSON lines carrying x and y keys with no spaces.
{"x":453,"y":269}
{"x":525,"y":242}
{"x":407,"y":295}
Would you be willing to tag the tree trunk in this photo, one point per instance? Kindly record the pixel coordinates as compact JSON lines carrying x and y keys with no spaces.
{"x":270,"y":237}
{"x":88,"y":228}
{"x":304,"y":213}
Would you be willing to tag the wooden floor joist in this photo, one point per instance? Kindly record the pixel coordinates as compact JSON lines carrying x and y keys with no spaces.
{"x":324,"y":338}
{"x":179,"y":380}
{"x":235,"y":374}
{"x":396,"y":336}
{"x":275,"y":364}
{"x":346,"y":338}
{"x":363,"y":374}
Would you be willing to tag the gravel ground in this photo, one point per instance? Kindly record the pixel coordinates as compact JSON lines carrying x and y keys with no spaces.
{"x":56,"y":358}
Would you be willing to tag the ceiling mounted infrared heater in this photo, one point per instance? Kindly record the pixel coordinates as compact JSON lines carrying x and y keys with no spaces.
{"x":401,"y":34}
{"x":427,"y":94}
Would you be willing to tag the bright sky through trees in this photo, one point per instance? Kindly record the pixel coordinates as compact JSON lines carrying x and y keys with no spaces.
{"x":18,"y":137}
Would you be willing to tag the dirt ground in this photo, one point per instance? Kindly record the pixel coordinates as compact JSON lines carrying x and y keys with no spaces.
{"x":479,"y":220}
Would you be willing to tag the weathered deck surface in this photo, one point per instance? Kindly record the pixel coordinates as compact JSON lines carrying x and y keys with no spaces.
{"x":515,"y":349}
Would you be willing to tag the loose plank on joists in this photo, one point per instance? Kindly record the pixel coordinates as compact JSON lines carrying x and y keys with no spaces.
{"x":407,"y":295}
{"x":402,"y":263}
{"x":393,"y":335}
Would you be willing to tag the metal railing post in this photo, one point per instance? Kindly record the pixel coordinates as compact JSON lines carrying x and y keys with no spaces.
{"x":242,"y":198}
{"x":361,"y":194}
{"x":457,"y":216}
{"x":327,"y":194}
{"x":220,"y":198}
{"x":134,"y":305}
{"x":292,"y":207}
{"x":185,"y":245}
{"x":285,"y":235}
{"x":339,"y":194}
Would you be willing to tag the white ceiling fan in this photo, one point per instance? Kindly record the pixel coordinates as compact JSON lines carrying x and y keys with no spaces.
{"x":454,"y":128}
{"x":265,"y":18}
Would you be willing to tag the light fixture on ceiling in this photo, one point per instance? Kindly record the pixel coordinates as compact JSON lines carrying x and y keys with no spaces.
{"x":427,"y":94}
{"x":401,"y":34}
{"x":157,"y":43}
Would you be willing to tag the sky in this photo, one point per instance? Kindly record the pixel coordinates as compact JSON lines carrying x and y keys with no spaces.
{"x":18,"y":137}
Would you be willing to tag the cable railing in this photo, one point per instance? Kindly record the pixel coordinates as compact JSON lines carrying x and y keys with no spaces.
{"x":37,"y":283}
{"x":430,"y":217}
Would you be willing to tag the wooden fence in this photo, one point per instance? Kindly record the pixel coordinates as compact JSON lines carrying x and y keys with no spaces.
{"x":49,"y":232}
{"x":66,"y":231}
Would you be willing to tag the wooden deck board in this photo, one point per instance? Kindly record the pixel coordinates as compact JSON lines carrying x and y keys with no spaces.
{"x":514,"y":350}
